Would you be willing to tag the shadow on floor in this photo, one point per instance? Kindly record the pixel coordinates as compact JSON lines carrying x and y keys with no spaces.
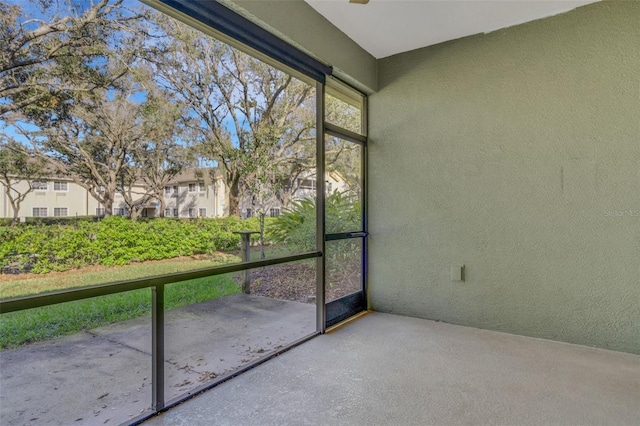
{"x":103,"y":376}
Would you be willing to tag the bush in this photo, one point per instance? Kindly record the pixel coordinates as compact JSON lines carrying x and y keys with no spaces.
{"x":114,"y":240}
{"x":59,"y":220}
{"x":296,"y":227}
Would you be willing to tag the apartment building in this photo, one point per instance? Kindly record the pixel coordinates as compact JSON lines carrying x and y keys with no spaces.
{"x":190,"y":194}
{"x":186,"y":196}
{"x":57,"y":197}
{"x":304,"y":186}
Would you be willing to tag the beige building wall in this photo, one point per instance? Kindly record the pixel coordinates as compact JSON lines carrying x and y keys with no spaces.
{"x":137,"y":192}
{"x":78,"y":202}
{"x":187,"y":197}
{"x":305,"y":187}
{"x":74,"y":199}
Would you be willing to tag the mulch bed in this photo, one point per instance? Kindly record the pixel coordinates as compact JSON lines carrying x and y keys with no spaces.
{"x":297,"y":283}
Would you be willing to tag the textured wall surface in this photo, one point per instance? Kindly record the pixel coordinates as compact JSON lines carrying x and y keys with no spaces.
{"x":298,"y":23}
{"x":517,"y":154}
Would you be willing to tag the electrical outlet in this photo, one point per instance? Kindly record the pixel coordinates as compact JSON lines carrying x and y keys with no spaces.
{"x":457,"y":272}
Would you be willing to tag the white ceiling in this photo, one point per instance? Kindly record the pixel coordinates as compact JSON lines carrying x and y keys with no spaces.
{"x":387,"y":27}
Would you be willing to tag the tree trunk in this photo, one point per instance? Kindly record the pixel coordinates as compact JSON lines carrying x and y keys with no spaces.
{"x":134,"y":214}
{"x":15,"y":206}
{"x":234,"y":196}
{"x":163,"y":205}
{"x":14,"y":221}
{"x":108,"y":207}
{"x":15,"y":202}
{"x":234,"y":200}
{"x":286,"y":199}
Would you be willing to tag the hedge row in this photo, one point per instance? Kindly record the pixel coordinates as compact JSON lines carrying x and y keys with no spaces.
{"x":114,"y":241}
{"x":6,"y":221}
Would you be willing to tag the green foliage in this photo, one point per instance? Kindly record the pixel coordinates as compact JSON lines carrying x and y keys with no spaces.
{"x":296,"y":227}
{"x":60,"y":220}
{"x":343,"y":212}
{"x":115,"y":241}
{"x":341,"y":113}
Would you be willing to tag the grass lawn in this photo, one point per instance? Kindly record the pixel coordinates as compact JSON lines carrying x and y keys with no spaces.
{"x":18,"y":328}
{"x":26,"y":284}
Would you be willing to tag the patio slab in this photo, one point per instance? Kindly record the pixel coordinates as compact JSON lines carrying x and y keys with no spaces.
{"x":103,"y":376}
{"x":384,"y":369}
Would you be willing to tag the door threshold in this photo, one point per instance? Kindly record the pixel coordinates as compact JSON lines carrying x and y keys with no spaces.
{"x":345,"y":322}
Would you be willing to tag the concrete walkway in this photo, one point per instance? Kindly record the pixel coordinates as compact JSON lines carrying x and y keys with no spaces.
{"x":390,"y":370}
{"x":103,"y":376}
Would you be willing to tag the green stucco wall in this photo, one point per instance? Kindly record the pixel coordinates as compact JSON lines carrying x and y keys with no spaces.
{"x":517,"y":154}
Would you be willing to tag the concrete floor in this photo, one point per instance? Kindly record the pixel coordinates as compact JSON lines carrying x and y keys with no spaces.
{"x":389,"y":370}
{"x":103,"y":376}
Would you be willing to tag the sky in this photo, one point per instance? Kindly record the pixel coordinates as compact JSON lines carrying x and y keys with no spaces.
{"x":33,"y":10}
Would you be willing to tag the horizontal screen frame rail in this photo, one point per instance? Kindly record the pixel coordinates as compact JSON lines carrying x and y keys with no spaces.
{"x":345,"y":235}
{"x":340,"y":133}
{"x":71,"y":295}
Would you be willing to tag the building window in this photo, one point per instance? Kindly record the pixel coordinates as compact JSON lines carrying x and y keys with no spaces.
{"x":60,"y":212}
{"x":192,"y":212}
{"x":175,"y":212}
{"x":274,"y":212}
{"x":145,"y":212}
{"x":167,"y":190}
{"x":39,"y":212}
{"x":307,"y":184}
{"x":192,"y":187}
{"x":249,"y":213}
{"x":202,"y":187}
{"x":202,"y":213}
{"x":39,"y":186}
{"x":329,"y":187}
{"x":175,"y":190}
{"x":167,"y":212}
{"x":119,"y":211}
{"x":60,"y":186}
{"x":100,"y":211}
